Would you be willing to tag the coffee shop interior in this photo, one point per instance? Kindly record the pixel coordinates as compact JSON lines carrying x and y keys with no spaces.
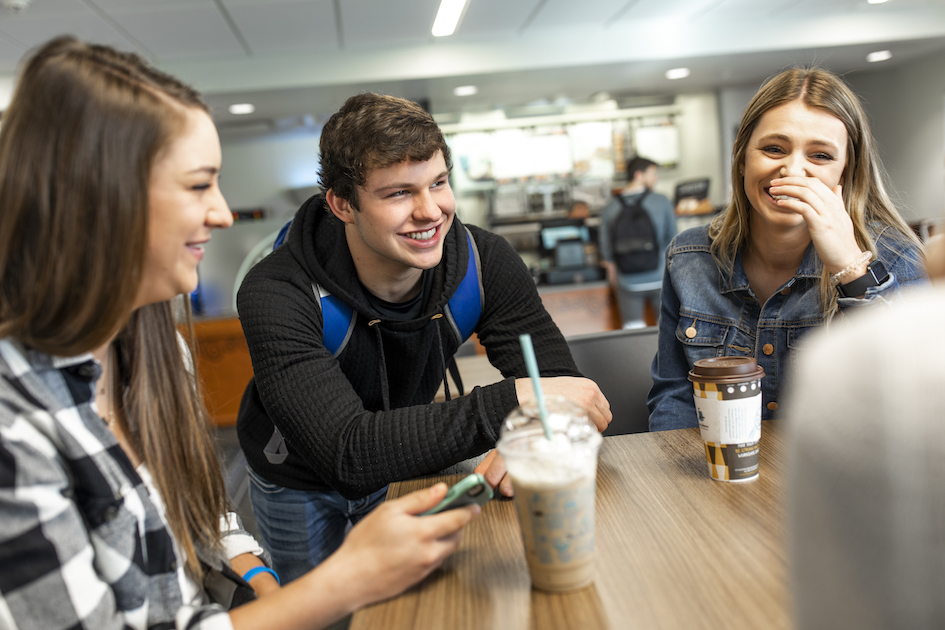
{"x":543,"y":103}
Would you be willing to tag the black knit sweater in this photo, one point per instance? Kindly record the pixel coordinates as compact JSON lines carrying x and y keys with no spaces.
{"x":331,"y":410}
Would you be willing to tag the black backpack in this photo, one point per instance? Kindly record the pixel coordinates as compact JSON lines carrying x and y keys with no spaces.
{"x":633,"y":238}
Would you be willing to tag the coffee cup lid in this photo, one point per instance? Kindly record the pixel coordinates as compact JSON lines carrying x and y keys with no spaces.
{"x":726,"y":370}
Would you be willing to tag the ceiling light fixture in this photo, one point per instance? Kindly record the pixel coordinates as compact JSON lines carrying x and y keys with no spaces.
{"x":448,"y":17}
{"x":677,"y":73}
{"x":465,"y":90}
{"x":241,"y":109}
{"x":877,"y":1}
{"x":879,"y":55}
{"x":16,"y":5}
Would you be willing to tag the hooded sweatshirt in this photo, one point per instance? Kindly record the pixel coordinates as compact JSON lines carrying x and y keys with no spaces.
{"x":356,"y":422}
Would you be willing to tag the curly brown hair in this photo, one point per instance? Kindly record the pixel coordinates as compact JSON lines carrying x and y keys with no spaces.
{"x":373,"y":131}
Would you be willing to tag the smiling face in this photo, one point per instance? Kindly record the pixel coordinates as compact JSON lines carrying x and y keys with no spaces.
{"x":404,"y":212}
{"x":792,"y":140}
{"x":184,"y":206}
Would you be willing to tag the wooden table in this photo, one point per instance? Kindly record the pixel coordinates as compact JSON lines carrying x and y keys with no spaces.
{"x":675,"y":549}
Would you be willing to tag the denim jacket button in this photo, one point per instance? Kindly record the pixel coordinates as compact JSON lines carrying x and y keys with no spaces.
{"x":773,"y":406}
{"x":767,"y":349}
{"x":785,"y":290}
{"x":691,"y":332}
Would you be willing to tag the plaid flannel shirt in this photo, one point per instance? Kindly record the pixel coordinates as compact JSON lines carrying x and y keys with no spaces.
{"x":82,"y":545}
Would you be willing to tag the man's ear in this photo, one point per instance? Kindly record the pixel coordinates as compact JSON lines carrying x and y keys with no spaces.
{"x":340,"y":207}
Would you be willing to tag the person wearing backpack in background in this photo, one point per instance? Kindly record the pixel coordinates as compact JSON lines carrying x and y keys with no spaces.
{"x":636,"y":227}
{"x":326,"y":428}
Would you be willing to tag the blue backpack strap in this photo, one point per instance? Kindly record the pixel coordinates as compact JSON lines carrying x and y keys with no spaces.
{"x":462,"y":311}
{"x":337,"y":317}
{"x":465,"y":307}
{"x":337,"y":320}
{"x":280,"y":237}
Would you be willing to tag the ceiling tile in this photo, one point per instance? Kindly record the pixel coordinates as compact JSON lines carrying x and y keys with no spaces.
{"x":749,"y":9}
{"x":662,"y":10}
{"x":516,"y":51}
{"x":127,"y":6}
{"x":35,"y":30}
{"x":177,"y":32}
{"x":373,"y":23}
{"x":46,"y":7}
{"x":819,"y":8}
{"x":563,"y":13}
{"x":490,"y":17}
{"x":286,"y":26}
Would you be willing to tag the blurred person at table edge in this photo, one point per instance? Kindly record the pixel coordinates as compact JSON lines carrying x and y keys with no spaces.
{"x":810,"y":234}
{"x":866,"y":468}
{"x":326,"y":429}
{"x":112,"y":503}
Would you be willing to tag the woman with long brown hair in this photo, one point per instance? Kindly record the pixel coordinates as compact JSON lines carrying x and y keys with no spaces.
{"x":810,"y":233}
{"x":112,"y":507}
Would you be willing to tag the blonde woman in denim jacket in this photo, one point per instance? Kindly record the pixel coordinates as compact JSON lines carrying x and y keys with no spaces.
{"x":810,"y":234}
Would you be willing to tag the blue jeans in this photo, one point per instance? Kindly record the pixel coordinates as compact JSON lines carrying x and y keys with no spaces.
{"x":300,"y":528}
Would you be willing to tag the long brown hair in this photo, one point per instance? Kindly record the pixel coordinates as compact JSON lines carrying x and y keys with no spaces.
{"x":77,"y":147}
{"x":162,"y":412}
{"x":864,"y":194}
{"x":77,"y":143}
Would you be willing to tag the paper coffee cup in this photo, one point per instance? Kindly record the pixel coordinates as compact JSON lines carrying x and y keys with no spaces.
{"x":727,"y":393}
{"x":555,"y":486}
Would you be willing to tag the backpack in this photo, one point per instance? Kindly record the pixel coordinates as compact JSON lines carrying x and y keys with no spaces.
{"x":462,"y":310}
{"x":633,"y":238}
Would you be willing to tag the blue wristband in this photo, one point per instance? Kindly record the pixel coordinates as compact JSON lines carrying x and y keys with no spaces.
{"x":257,"y":570}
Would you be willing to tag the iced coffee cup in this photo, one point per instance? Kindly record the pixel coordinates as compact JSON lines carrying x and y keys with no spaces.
{"x":555,"y":484}
{"x":727,"y":392}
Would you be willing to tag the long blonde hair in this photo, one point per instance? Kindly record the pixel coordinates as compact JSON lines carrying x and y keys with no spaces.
{"x":864,"y":194}
{"x":77,"y":147}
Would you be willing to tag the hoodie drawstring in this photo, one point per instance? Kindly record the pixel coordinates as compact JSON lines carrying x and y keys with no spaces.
{"x":385,"y":387}
{"x":451,"y":369}
{"x":439,"y":343}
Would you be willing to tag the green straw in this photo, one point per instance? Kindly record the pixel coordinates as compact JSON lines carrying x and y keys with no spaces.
{"x":531,"y":364}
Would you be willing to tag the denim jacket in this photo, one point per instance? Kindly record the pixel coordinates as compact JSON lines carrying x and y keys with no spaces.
{"x":704,"y":314}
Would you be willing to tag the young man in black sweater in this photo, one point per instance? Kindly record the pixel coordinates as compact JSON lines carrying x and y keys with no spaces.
{"x":325,"y":429}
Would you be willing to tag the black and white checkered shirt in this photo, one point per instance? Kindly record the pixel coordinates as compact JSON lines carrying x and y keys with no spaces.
{"x":82,"y":544}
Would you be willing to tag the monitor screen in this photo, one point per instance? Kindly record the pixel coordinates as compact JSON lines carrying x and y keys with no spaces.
{"x":551,"y":234}
{"x":569,"y":254}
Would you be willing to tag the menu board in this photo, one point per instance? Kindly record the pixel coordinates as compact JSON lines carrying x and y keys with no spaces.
{"x":518,"y":153}
{"x":592,"y":150}
{"x":583,"y":151}
{"x":658,"y":143}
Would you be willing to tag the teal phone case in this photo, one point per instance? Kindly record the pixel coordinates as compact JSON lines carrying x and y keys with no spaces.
{"x":472,"y":489}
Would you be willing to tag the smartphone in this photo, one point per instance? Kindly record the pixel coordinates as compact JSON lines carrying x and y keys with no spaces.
{"x":472,"y":489}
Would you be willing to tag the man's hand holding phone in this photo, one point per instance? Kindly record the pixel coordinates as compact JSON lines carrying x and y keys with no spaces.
{"x":473,"y":490}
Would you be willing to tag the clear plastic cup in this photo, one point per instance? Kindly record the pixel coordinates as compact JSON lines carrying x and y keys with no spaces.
{"x":555,"y":486}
